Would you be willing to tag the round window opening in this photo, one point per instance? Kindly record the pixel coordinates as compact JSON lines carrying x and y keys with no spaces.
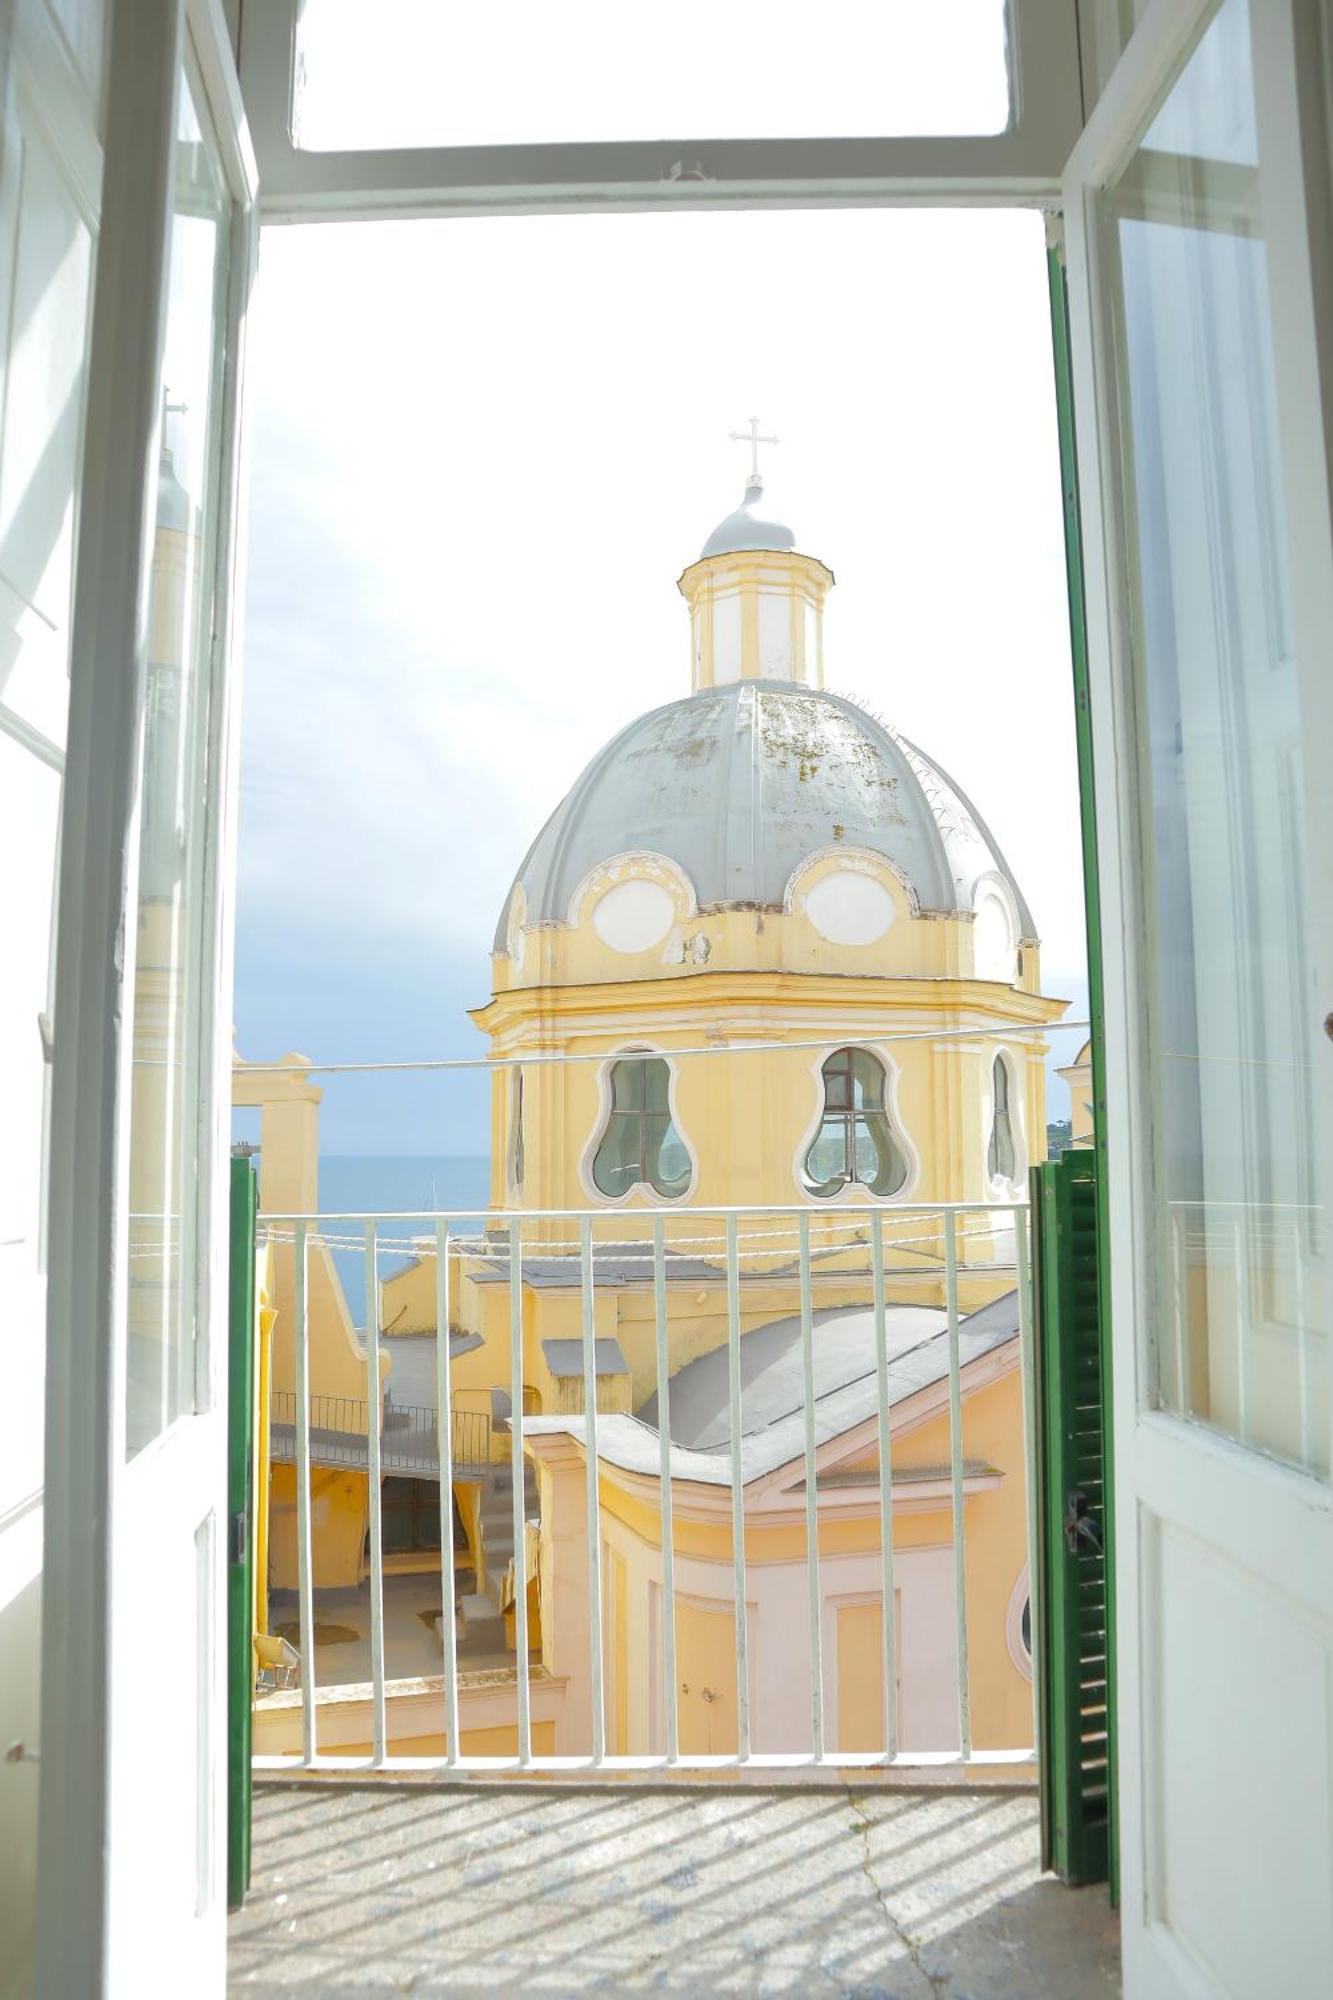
{"x":634,"y":916}
{"x":846,"y":908}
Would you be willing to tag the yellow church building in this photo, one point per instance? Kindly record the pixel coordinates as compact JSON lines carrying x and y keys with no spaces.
{"x":765,"y":955}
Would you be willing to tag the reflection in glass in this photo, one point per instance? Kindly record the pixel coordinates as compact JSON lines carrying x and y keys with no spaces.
{"x":855,"y":1140}
{"x":163,"y":1158}
{"x":1001,"y":1157}
{"x":1242,"y":1323}
{"x":640,"y":1146}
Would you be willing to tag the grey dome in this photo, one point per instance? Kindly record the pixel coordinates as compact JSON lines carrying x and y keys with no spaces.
{"x":739,"y":785}
{"x":173,"y":502}
{"x":747,"y":529}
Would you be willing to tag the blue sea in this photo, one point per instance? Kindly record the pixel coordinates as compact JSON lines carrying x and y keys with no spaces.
{"x":395,"y":1182}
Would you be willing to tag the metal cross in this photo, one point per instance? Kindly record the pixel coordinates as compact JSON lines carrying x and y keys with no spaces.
{"x":754,"y":440}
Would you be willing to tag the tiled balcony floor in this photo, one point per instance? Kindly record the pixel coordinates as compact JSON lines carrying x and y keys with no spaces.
{"x":362,"y":1892}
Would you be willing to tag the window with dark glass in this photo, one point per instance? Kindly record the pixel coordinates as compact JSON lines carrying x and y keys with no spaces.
{"x":410,"y":1516}
{"x":640,"y":1146}
{"x":856,"y":1140}
{"x":516,"y":1153}
{"x":1002,"y":1156}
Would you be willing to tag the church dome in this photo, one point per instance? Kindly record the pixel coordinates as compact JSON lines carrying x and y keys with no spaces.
{"x":740,"y":785}
{"x":748,"y":528}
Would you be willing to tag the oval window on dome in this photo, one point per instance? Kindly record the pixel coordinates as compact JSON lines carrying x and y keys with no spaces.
{"x":849,"y":908}
{"x":993,"y":952}
{"x":634,"y":916}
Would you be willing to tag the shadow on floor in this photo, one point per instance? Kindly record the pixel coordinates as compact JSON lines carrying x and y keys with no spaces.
{"x":363,"y":1891}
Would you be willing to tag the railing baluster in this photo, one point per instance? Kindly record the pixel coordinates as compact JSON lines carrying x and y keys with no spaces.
{"x":522,"y":1689}
{"x":444,"y":1431}
{"x":594,"y":1512}
{"x":737,"y":1496}
{"x":956,"y":1471}
{"x":888,"y":1600}
{"x":1027,"y":1363}
{"x":664,"y":1483}
{"x":304,"y":1559}
{"x":813,"y":1591}
{"x":378,"y":1719}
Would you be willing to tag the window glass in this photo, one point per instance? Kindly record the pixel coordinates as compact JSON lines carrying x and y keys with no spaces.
{"x":639,"y":1145}
{"x":855,"y":1140}
{"x":415,"y":73}
{"x":1241,"y":1340}
{"x":516,"y":1150}
{"x":163,"y":1163}
{"x":1002,"y":1157}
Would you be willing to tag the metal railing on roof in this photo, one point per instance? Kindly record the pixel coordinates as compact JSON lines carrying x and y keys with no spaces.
{"x":974,"y":1242}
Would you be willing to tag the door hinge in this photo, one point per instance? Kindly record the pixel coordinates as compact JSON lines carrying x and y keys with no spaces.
{"x":238,"y":1537}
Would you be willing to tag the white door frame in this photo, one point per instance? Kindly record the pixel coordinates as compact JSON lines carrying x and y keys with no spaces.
{"x":1278,"y":1524}
{"x":85,"y":1397}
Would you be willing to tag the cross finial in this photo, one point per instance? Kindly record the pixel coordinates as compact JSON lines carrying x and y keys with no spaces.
{"x":754,"y":440}
{"x":170,"y":409}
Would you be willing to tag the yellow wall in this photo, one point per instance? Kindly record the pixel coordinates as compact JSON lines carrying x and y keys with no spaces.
{"x":995,"y":1538}
{"x":338,"y":1511}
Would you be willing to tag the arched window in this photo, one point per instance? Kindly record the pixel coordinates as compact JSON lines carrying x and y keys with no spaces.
{"x":639,"y":1145}
{"x":855,"y":1140}
{"x":516,"y":1133}
{"x":1002,"y":1155}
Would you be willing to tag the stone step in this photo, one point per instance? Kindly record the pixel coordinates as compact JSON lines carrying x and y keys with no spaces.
{"x":482,"y":1625}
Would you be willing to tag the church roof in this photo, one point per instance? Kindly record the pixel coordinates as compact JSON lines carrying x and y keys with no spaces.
{"x":747,"y":528}
{"x":846,"y":1390}
{"x":741,"y":784}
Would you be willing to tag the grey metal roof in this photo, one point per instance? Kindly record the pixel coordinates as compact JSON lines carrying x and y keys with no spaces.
{"x":771,"y":1373}
{"x":846,"y":1392}
{"x":739,"y":785}
{"x":747,"y":528}
{"x":565,"y":1357}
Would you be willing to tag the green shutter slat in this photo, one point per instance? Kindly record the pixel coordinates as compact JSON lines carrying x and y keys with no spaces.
{"x":1073,"y":1603}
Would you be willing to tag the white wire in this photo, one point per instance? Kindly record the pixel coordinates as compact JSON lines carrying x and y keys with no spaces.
{"x":830,"y":1041}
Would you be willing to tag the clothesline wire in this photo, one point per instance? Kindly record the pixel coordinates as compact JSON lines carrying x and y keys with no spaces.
{"x":990,"y":1032}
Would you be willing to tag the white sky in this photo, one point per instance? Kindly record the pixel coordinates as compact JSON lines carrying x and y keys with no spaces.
{"x":425,"y":72}
{"x":482,"y":453}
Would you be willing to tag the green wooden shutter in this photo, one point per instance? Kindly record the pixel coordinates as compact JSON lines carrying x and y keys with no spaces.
{"x":1073,"y":1523}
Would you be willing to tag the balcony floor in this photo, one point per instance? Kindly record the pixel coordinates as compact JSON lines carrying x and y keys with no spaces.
{"x":885,"y":1894}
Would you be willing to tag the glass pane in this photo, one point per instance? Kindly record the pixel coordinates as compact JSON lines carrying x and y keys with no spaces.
{"x":1242,"y":1295}
{"x":826,"y":1161}
{"x":163,"y":1155}
{"x":419,"y":73}
{"x":656,"y":1085}
{"x":615,"y":1169}
{"x":868,"y":1080}
{"x":672,"y":1163}
{"x":627,"y":1085}
{"x":886,"y":1169}
{"x":837,"y":1083}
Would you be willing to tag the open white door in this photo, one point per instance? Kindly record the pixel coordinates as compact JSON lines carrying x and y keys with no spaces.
{"x":1197,"y":234}
{"x":132,"y":1838}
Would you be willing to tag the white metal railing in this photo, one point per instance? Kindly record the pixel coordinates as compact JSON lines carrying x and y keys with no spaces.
{"x":910,"y":1247}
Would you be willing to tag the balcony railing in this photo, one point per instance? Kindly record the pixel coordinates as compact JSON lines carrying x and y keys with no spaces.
{"x":409,"y":1436}
{"x":768,"y":1564}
